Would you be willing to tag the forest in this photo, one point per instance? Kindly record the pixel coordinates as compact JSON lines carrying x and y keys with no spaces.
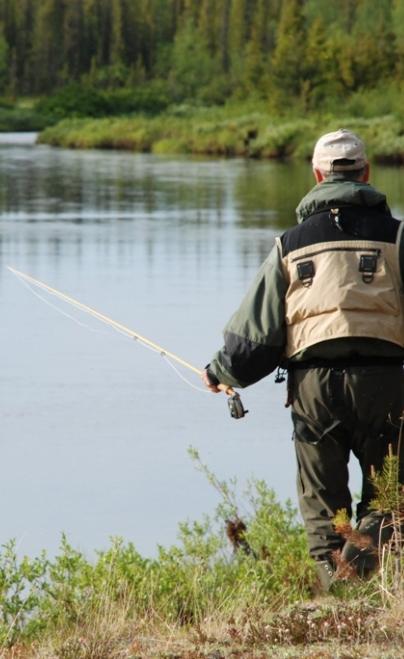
{"x":247,"y":78}
{"x":309,"y":52}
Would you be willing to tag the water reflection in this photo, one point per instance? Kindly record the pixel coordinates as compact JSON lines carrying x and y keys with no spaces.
{"x":180,"y":203}
{"x":267,"y":195}
{"x":104,"y":186}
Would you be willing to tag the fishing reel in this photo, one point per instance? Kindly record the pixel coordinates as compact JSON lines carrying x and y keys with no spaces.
{"x":236,"y":407}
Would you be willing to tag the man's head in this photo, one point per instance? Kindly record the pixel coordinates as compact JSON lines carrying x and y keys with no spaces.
{"x":340,"y":152}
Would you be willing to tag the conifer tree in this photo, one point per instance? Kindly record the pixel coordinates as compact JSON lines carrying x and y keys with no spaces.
{"x":4,"y":61}
{"x":398,"y":32}
{"x":320,"y":67}
{"x":147,"y":33}
{"x":207,"y":23}
{"x":193,"y":65}
{"x":372,"y":27}
{"x":288,"y":61}
{"x":73,"y":45}
{"x":257,"y":59}
{"x":48,"y":44}
{"x":237,"y":40}
{"x":90,"y":37}
{"x":117,"y":46}
{"x":223,"y":19}
{"x":17,"y":20}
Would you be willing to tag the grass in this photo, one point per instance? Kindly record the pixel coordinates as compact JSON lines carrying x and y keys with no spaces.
{"x":248,"y":128}
{"x":228,"y":132}
{"x":250,"y":593}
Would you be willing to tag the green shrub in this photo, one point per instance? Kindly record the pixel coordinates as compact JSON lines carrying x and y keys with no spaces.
{"x":6,"y":103}
{"x":151,"y":98}
{"x":22,"y":588}
{"x":20,"y":120}
{"x":77,"y":100}
{"x":74,"y":100}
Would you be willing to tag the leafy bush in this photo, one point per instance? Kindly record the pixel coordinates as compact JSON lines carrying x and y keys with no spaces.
{"x":22,"y":584}
{"x":6,"y":103}
{"x":150,"y":98}
{"x":20,"y":120}
{"x":77,"y":101}
{"x":74,"y":101}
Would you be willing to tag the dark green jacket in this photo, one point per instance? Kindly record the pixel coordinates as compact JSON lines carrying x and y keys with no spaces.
{"x":255,"y":336}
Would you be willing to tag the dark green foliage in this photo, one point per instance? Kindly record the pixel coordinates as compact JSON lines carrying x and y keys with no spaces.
{"x":74,"y":101}
{"x":78,"y":101}
{"x":288,"y":57}
{"x":21,"y":120}
{"x":150,"y":98}
{"x":296,"y":54}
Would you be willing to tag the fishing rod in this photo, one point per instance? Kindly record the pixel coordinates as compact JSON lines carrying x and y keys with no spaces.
{"x":236,"y":407}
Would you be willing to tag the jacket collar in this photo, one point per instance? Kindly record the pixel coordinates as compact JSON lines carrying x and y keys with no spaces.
{"x":336,"y":191}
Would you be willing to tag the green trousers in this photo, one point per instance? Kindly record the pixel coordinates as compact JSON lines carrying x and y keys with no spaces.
{"x":337,"y":412}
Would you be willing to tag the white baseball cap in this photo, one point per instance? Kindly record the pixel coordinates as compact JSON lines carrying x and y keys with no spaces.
{"x":343,"y":146}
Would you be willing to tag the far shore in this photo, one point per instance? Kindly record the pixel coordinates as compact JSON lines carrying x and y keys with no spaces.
{"x":215,"y":132}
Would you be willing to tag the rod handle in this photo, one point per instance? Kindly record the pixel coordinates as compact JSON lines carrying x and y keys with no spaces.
{"x":229,"y":391}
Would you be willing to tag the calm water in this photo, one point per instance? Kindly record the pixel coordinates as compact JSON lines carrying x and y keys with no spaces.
{"x":95,"y":428}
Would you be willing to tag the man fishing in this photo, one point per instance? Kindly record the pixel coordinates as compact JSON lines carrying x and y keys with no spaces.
{"x":328,"y":306}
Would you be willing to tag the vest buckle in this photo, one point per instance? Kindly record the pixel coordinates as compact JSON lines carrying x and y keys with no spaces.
{"x":305,"y":272}
{"x":368,"y":267}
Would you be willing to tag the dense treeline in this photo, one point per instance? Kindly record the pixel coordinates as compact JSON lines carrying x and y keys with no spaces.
{"x":208,"y":50}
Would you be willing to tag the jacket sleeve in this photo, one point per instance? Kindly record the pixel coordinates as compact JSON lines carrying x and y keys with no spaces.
{"x":401,"y":252}
{"x":255,"y":336}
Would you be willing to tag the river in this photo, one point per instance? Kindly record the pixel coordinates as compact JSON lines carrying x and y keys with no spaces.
{"x":95,"y":428}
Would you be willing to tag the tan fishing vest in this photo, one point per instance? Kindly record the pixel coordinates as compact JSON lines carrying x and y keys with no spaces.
{"x":343,"y":289}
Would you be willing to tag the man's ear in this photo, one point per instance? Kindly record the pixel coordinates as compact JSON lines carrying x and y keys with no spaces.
{"x":318,"y":175}
{"x":366,"y":173}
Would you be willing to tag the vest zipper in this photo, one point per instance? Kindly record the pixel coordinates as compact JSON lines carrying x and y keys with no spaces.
{"x":339,"y":249}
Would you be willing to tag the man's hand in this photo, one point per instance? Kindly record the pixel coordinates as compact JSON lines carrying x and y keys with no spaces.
{"x":207,"y":382}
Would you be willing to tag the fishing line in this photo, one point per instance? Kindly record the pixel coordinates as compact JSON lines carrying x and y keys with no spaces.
{"x":182,"y":377}
{"x":58,"y":309}
{"x":162,"y":353}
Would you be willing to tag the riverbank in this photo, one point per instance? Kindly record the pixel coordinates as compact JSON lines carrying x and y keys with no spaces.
{"x":190,"y":603}
{"x":321,"y":630}
{"x":225,"y":132}
{"x":243,"y":592}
